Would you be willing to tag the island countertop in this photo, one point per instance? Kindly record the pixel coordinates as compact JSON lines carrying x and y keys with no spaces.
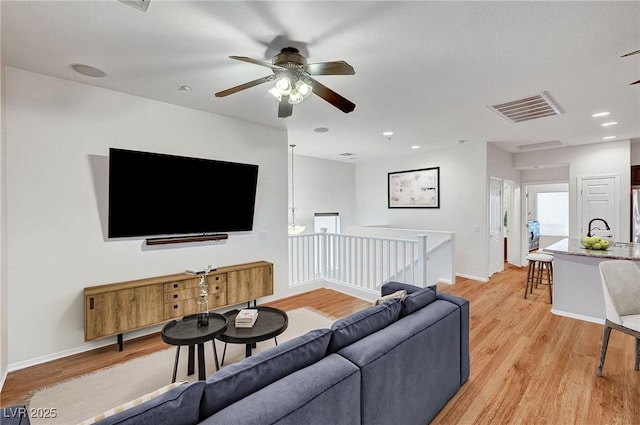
{"x":617,"y":250}
{"x":577,"y":289}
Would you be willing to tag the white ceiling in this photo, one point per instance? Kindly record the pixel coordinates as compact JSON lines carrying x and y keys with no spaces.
{"x":424,"y":70}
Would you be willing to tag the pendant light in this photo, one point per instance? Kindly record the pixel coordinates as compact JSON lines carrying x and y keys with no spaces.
{"x":294,"y":227}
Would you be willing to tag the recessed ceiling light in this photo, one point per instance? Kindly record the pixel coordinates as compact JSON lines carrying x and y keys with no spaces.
{"x":609,"y":124}
{"x":600,"y":114}
{"x":387,"y":133}
{"x":415,"y":147}
{"x":184,"y":88}
{"x":321,"y":129}
{"x":608,"y":137}
{"x":87,"y":70}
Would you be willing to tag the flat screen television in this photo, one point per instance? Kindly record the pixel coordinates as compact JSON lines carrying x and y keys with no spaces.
{"x":152,"y":194}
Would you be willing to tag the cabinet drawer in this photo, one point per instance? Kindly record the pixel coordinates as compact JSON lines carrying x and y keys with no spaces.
{"x":180,"y":295}
{"x":212,"y":280}
{"x":190,"y":306}
{"x":185,"y":294}
{"x":216,"y":287}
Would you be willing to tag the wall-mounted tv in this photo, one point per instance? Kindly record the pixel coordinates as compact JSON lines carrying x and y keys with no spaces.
{"x":152,"y":194}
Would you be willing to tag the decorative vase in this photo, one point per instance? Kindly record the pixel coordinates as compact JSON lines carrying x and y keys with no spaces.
{"x":203,"y":312}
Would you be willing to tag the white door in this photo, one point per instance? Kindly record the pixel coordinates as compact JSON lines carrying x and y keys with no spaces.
{"x":496,"y":241}
{"x":598,"y":200}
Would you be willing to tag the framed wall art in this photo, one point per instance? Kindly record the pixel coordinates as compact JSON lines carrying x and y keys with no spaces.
{"x":414,"y":188}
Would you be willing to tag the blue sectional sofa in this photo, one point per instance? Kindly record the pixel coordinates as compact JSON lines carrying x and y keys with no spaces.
{"x":398,"y":363}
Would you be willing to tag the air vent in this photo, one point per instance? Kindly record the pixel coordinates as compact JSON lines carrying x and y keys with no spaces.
{"x":142,"y":5}
{"x":529,"y":108}
{"x":541,"y":145}
{"x":346,"y":154}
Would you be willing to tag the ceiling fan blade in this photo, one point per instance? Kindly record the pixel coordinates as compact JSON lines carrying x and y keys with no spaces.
{"x":630,"y":54}
{"x":236,"y":89}
{"x":330,"y":68}
{"x":256,"y":62}
{"x":285,"y":109}
{"x":635,"y":82}
{"x":332,"y":97}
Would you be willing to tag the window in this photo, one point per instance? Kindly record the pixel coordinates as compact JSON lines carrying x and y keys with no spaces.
{"x":553,"y":213}
{"x":330,"y":221}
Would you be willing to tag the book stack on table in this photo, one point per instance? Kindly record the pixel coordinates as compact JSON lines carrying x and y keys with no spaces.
{"x":246,"y":318}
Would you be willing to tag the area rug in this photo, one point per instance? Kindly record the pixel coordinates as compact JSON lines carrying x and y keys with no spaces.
{"x":91,"y":394}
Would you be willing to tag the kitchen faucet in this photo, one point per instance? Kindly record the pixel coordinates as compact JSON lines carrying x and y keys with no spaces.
{"x":596,"y":228}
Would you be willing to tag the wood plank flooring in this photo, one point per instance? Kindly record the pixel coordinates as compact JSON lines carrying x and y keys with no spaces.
{"x":528,"y":366}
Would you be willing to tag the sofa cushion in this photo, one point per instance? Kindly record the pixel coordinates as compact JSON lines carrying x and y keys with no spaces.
{"x":176,"y":403}
{"x":417,"y":300}
{"x":362,"y":323}
{"x":326,"y":392}
{"x":411,"y":368}
{"x":238,"y":380}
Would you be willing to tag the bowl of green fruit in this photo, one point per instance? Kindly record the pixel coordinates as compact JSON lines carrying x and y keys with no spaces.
{"x":596,"y":242}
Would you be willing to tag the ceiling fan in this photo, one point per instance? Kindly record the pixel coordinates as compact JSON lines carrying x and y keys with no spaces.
{"x":631,"y":54}
{"x":293,"y":81}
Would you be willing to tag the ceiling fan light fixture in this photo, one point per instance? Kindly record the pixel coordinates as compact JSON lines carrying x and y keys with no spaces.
{"x":303,"y":88}
{"x":299,"y":92}
{"x":275,"y":93}
{"x":295,"y":97}
{"x":283,"y":85}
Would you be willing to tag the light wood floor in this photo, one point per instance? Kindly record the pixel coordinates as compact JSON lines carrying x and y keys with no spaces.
{"x":528,"y":366}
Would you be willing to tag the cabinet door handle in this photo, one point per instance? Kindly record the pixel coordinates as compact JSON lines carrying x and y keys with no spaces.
{"x":175,"y":285}
{"x":91,"y":304}
{"x":175,"y":296}
{"x":217,"y":277}
{"x":217,"y":287}
{"x":175,"y":306}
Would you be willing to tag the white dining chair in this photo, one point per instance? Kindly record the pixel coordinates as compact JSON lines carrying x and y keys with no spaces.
{"x":621,"y":287}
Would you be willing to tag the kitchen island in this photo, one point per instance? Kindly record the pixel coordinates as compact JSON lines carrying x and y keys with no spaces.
{"x":577,"y":289}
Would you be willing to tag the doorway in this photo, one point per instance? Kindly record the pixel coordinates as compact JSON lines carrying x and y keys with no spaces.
{"x":546,"y":207}
{"x":496,"y":226}
{"x":597,"y":199}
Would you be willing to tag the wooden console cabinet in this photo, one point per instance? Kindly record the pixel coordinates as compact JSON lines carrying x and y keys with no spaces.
{"x":121,"y":307}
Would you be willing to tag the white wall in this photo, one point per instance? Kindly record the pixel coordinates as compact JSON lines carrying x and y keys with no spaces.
{"x":323,"y":186}
{"x":56,"y":245}
{"x":463,"y":200}
{"x":635,"y":152}
{"x":598,"y":159}
{"x":3,"y":243}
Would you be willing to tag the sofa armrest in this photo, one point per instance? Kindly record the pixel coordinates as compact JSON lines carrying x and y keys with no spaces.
{"x":463,"y":304}
{"x":391,"y":287}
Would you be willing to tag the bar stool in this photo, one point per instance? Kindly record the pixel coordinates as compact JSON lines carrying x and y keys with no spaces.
{"x":540,"y":272}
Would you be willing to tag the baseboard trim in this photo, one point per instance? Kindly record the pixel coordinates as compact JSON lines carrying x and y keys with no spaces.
{"x":3,"y":378}
{"x":362,"y":294}
{"x":577,"y":316}
{"x":467,"y":276}
{"x":12,"y":367}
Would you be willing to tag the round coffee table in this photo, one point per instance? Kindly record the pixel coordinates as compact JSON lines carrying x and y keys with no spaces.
{"x":271,"y":322}
{"x":187,"y":332}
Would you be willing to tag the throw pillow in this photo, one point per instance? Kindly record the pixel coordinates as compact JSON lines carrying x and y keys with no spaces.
{"x":176,"y":403}
{"x":397,"y":294}
{"x":416,"y":300}
{"x":363,"y":323}
{"x":238,"y":380}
